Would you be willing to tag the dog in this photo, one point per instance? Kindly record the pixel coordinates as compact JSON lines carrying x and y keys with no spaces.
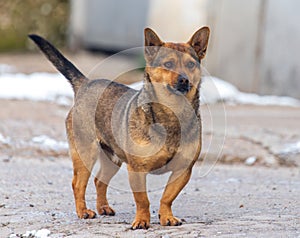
{"x":154,"y":130}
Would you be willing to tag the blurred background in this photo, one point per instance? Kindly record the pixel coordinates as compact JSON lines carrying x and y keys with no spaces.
{"x":19,"y":18}
{"x":254,"y":44}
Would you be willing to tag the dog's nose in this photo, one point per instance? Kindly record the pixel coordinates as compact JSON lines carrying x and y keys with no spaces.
{"x":182,"y":79}
{"x":183,"y":84}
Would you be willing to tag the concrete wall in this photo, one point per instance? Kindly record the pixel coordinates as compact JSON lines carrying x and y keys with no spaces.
{"x":233,"y":45}
{"x":254,"y":44}
{"x":177,"y":20}
{"x":280,"y":68}
{"x":108,"y":24}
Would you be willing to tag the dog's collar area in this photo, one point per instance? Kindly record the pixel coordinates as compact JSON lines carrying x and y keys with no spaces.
{"x":147,"y":77}
{"x":148,"y":110}
{"x":145,"y":108}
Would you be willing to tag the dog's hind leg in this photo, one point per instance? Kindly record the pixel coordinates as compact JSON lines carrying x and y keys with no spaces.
{"x":82,"y":167}
{"x":81,"y":176}
{"x":107,"y":170}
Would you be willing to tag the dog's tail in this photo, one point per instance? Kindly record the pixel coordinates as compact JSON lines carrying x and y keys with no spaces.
{"x":75,"y":77}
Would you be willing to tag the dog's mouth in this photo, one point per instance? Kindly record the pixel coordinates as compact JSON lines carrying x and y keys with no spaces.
{"x":179,"y":89}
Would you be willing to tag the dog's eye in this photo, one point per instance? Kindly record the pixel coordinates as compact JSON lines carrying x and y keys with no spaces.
{"x":191,"y":64}
{"x":168,"y":64}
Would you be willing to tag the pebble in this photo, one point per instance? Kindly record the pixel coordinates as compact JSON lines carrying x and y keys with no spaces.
{"x":250,"y":161}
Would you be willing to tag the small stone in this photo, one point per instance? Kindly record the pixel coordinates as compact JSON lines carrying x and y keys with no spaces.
{"x":250,"y":161}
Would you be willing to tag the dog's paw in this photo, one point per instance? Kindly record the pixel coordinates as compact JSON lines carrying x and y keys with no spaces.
{"x":86,"y":214}
{"x":140,"y":224}
{"x":106,"y":210}
{"x":169,"y":220}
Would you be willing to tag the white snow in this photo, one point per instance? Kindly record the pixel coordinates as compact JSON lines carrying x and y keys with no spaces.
{"x":215,"y":89}
{"x":42,"y":142}
{"x":4,"y":140}
{"x":137,"y":85}
{"x":36,"y":87}
{"x":293,"y":148}
{"x":48,"y":143}
{"x":5,"y":68}
{"x":54,"y":87}
{"x":43,"y":233}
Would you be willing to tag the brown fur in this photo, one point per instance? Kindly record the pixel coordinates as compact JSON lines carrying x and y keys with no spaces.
{"x":152,"y":130}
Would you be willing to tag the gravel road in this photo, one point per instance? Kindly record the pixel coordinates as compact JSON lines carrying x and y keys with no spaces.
{"x":229,"y":199}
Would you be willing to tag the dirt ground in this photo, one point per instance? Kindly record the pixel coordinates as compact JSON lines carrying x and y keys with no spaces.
{"x":228,"y":199}
{"x":231,"y":201}
{"x":247,"y":184}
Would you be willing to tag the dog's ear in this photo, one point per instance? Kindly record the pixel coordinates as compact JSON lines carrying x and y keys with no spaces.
{"x":152,"y":44}
{"x":199,"y":41}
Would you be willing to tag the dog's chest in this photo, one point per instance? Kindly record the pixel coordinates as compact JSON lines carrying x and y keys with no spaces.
{"x":154,"y":147}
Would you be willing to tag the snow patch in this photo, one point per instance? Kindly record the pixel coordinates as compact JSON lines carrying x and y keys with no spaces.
{"x":5,"y":68}
{"x":4,"y":140}
{"x":43,"y":233}
{"x":214,"y":90}
{"x":137,"y":85}
{"x":48,"y":143}
{"x":36,"y":87}
{"x":293,"y":148}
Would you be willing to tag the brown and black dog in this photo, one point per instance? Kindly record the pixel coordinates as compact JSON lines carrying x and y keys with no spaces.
{"x":154,"y":130}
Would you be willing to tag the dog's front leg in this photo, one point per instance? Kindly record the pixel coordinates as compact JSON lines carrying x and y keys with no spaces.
{"x":175,"y":184}
{"x":137,"y":182}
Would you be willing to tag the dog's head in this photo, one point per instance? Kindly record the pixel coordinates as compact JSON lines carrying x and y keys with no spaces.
{"x":175,"y":66}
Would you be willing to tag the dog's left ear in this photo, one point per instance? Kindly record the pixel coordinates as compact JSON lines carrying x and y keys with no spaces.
{"x":152,"y":44}
{"x":199,"y":41}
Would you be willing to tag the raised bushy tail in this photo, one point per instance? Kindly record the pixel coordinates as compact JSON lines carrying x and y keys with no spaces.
{"x":75,"y":77}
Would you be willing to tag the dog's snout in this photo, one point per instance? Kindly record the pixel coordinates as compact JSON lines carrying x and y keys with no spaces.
{"x":183,"y":84}
{"x":182,"y":79}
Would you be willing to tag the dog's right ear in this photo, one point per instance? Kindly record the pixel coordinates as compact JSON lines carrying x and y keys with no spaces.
{"x":199,"y":41}
{"x":152,"y":44}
